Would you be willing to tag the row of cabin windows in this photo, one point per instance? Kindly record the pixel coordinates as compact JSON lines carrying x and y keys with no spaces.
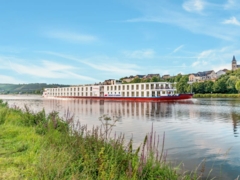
{"x":72,"y":89}
{"x":123,"y":94}
{"x":139,"y":93}
{"x":70,"y":94}
{"x":158,"y":86}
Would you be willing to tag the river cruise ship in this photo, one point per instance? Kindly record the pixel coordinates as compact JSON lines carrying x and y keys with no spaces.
{"x":150,"y":91}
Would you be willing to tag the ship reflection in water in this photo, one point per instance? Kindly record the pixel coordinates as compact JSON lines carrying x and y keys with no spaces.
{"x":136,"y":110}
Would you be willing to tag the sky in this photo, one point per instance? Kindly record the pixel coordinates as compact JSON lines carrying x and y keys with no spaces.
{"x":85,"y":41}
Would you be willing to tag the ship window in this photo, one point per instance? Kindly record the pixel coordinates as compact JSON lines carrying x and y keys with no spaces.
{"x":90,"y":88}
{"x":132,"y":94}
{"x":132,"y":87}
{"x":86,"y":93}
{"x":147,"y":86}
{"x":163,"y":92}
{"x":153,"y":93}
{"x":137,"y":94}
{"x":142,"y":93}
{"x":86,"y":88}
{"x":142,"y":86}
{"x":127,"y":94}
{"x":111,"y":88}
{"x":123,"y":94}
{"x":127,"y":87}
{"x":137,"y":86}
{"x":123,"y":87}
{"x":119,"y":87}
{"x":115,"y":88}
{"x":147,"y":93}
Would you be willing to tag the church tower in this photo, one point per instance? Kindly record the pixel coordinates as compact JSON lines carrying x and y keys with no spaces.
{"x":234,"y":63}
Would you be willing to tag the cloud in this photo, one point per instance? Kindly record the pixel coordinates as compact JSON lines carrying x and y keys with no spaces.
{"x":103,"y":63}
{"x":233,"y":20}
{"x":49,"y":70}
{"x":231,"y":4}
{"x":140,"y":54}
{"x":71,"y":37}
{"x":193,"y":5}
{"x":46,"y":69}
{"x":215,"y":59}
{"x":9,"y":79}
{"x":207,"y":24}
{"x":178,"y":48}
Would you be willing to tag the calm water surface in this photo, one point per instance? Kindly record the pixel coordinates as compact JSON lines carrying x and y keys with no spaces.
{"x":196,"y":130}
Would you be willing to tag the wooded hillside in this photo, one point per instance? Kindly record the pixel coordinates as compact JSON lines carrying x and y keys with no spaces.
{"x":34,"y":88}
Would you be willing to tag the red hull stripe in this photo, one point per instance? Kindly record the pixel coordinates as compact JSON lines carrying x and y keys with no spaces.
{"x":161,"y":98}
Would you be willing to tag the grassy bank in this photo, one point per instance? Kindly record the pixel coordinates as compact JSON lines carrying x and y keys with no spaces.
{"x":40,"y":146}
{"x":216,"y":95}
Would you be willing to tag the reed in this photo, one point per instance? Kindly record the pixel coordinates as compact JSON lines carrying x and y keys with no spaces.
{"x":40,"y":146}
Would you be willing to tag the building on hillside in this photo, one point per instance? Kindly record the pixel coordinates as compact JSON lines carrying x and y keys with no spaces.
{"x":221,"y":72}
{"x":149,"y":76}
{"x":139,"y":76}
{"x":128,"y":79}
{"x":234,"y":64}
{"x":111,"y":82}
{"x":108,"y":81}
{"x":202,"y":76}
{"x":166,"y":76}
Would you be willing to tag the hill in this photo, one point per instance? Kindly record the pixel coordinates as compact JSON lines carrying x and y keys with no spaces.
{"x":33,"y":88}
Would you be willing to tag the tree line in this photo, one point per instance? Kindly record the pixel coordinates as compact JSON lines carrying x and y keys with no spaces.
{"x":228,"y":83}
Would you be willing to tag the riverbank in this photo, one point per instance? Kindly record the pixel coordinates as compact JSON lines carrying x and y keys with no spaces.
{"x":40,"y":146}
{"x":216,"y":96}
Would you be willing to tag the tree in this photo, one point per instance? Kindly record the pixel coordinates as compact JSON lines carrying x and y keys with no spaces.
{"x":231,"y":82}
{"x":237,"y":86}
{"x":208,"y":86}
{"x":155,"y":79}
{"x":220,"y":86}
{"x":182,"y":86}
{"x":136,"y":80}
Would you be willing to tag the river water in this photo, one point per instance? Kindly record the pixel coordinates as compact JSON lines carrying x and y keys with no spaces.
{"x":198,"y":132}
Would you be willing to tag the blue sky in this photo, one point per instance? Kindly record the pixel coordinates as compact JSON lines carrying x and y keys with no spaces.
{"x":86,"y":41}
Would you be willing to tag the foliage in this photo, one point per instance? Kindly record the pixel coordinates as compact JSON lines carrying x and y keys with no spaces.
{"x":237,"y":86}
{"x":182,"y":86}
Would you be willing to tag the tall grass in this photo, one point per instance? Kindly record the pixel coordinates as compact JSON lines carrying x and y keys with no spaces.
{"x":216,"y":95}
{"x":40,"y":146}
